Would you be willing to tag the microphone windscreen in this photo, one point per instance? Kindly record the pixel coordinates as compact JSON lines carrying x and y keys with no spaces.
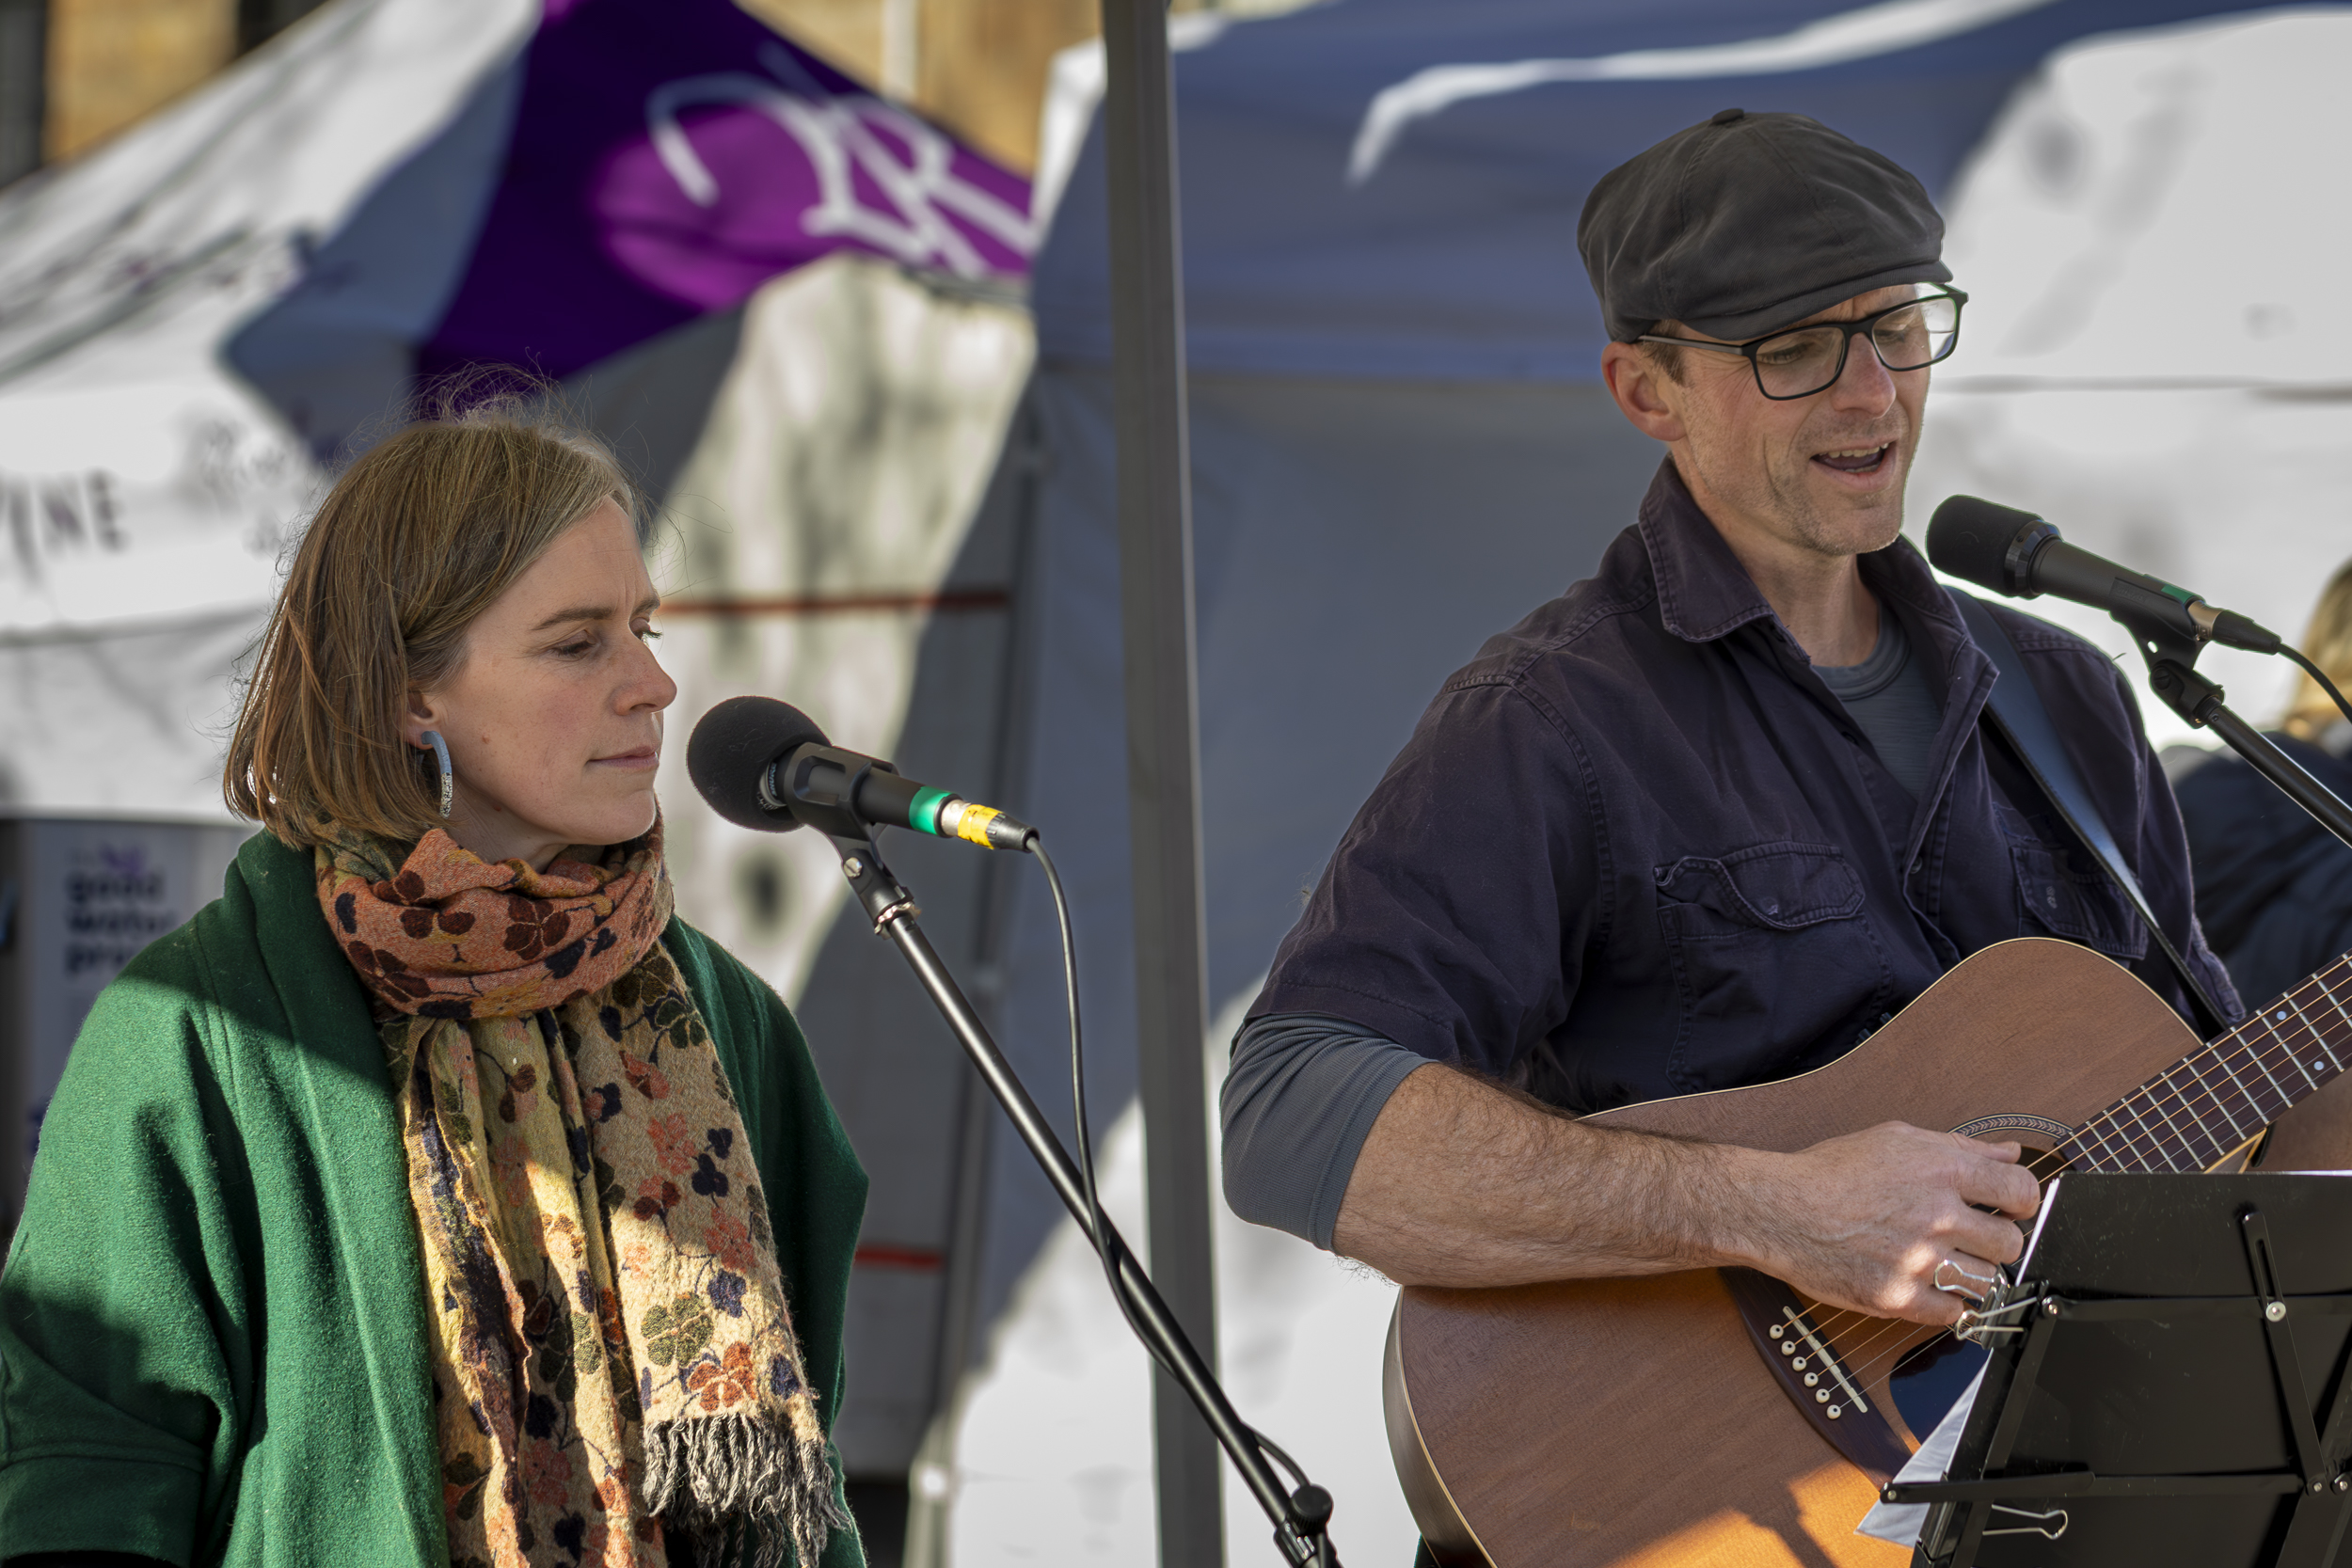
{"x":732,"y":746}
{"x":1970,"y":539}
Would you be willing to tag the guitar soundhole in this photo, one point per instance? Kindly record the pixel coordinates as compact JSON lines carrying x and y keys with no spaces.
{"x":1929,"y":1380}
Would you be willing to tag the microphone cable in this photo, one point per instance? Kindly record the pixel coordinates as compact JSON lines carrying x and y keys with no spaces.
{"x":1103,"y":1253}
{"x":1078,"y":1092}
{"x":2320,"y":675}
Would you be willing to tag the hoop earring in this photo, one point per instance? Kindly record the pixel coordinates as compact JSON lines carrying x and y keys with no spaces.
{"x":449,"y":774}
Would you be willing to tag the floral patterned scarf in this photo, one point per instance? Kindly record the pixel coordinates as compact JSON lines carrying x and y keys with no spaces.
{"x":613,"y":1353}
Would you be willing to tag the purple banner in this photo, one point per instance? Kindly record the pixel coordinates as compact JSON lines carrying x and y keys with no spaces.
{"x":669,"y":158}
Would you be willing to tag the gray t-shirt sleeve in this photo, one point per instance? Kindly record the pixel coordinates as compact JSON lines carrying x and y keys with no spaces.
{"x":1299,"y":1099}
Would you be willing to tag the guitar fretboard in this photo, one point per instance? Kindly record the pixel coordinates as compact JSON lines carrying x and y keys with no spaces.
{"x":2227,"y":1090}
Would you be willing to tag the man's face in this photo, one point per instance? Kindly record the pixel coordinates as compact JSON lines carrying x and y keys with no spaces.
{"x":1824,"y":473}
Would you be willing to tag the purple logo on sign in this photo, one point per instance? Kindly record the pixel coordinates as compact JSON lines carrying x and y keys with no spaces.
{"x":740,"y":176}
{"x":667,"y":160}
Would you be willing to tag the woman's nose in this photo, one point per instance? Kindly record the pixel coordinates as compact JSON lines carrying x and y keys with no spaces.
{"x":649,"y":684}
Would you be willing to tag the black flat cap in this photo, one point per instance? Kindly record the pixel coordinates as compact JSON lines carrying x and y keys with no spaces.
{"x":1749,"y":223}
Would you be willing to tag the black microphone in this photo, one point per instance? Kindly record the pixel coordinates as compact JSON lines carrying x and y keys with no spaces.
{"x":766,"y":765}
{"x":2018,"y":554}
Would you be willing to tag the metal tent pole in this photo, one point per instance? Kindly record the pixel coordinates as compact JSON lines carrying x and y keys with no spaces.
{"x":1163,"y":742}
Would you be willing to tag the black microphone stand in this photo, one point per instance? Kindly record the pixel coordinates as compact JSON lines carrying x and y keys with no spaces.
{"x":2172,"y":672}
{"x":1300,"y":1517}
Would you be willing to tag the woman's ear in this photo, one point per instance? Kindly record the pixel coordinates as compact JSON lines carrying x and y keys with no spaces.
{"x":420,"y":714}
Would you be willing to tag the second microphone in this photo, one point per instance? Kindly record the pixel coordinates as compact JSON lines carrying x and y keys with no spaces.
{"x":765,"y":765}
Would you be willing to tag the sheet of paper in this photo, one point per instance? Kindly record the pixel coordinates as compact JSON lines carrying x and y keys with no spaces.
{"x":1901,"y":1522}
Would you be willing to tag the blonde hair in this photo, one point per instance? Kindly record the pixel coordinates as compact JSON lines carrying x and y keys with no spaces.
{"x":418,"y":537}
{"x":2327,"y":642}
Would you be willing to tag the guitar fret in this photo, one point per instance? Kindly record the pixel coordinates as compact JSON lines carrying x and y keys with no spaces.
{"x":2285,"y":1099}
{"x":2237,"y":1133}
{"x":2316,"y":1032}
{"x":2187,"y":1159}
{"x":2193,"y":1144}
{"x":2248,"y":1092}
{"x":2150,"y":1134}
{"x":2329,"y":991}
{"x":2295,"y":1057}
{"x":2133,"y":1159}
{"x":2318,"y":1073}
{"x":2085,"y":1155}
{"x":2197,"y":1075}
{"x":2317,"y":1037}
{"x":2161,"y":1125}
{"x":2106,"y":1147}
{"x":2136,"y":1157}
{"x":2187,"y":1156}
{"x":2155,"y":1135}
{"x":2117,"y":1159}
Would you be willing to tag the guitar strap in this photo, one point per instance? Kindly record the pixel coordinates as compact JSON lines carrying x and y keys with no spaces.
{"x":2015,"y":713}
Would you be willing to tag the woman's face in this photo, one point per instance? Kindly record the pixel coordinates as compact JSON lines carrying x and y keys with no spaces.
{"x":553,"y":720}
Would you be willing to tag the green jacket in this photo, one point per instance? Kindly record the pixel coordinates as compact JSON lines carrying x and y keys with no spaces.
{"x":212,"y":1324}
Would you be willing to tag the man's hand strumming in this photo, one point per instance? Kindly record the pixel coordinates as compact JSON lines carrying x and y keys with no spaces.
{"x":1866,"y":1221}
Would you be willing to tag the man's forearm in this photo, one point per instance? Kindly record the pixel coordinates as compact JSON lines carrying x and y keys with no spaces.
{"x":1461,"y":1183}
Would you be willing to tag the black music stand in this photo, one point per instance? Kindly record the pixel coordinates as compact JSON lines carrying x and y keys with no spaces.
{"x":2167,"y":1384}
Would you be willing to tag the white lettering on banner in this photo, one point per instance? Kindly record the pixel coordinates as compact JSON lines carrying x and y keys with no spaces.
{"x":837,"y":133}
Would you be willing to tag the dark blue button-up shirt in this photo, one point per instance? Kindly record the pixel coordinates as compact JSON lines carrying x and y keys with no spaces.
{"x":1637,"y":848}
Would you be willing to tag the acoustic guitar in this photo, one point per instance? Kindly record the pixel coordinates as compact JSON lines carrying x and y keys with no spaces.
{"x":1718,"y":1418}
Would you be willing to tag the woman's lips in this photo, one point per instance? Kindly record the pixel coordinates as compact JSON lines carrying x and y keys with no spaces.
{"x":643,"y":758}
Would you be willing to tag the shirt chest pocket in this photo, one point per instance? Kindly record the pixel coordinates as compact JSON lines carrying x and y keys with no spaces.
{"x":1776,"y":967}
{"x":2055,"y":899}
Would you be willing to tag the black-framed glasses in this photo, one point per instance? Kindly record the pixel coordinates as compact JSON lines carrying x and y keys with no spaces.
{"x":1798,"y":364}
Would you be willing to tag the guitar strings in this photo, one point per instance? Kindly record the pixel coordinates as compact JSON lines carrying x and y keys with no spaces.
{"x":1863,"y":1368}
{"x":2041,"y":1164}
{"x":2247,"y":1042}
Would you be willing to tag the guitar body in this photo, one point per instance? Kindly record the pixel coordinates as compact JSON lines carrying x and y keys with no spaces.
{"x":1637,"y":1423}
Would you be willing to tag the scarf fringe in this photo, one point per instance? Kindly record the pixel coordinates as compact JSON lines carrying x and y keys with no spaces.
{"x":747,"y":1477}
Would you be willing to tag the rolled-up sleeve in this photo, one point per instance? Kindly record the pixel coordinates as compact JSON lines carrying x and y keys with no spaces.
{"x":1299,"y":1099}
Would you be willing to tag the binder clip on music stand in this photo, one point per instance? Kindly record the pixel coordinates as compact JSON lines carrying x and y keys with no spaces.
{"x":2168,"y":1384}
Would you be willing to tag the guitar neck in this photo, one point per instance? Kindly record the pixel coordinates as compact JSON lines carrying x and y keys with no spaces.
{"x":2225,"y":1092}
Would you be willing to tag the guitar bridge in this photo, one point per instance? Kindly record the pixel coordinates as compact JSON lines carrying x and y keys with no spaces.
{"x":1807,"y":1358}
{"x":1809,"y":1371}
